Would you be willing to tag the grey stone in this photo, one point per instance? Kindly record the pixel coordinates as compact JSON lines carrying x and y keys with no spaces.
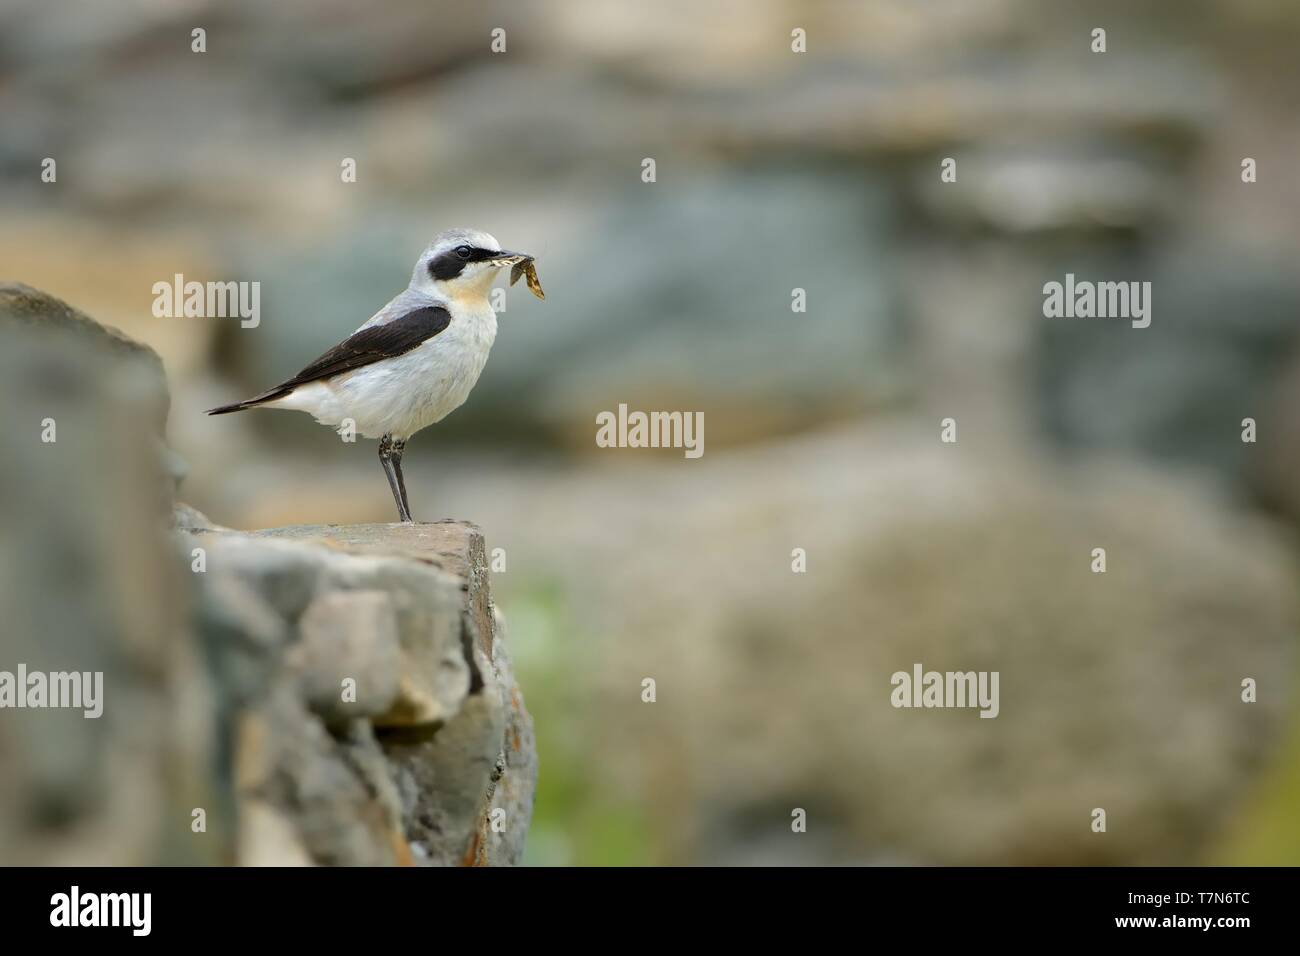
{"x":1178,"y":389}
{"x":348,"y":636}
{"x":291,"y":763}
{"x":89,"y":583}
{"x":481,"y":769}
{"x":133,"y":373}
{"x":294,"y":566}
{"x":514,"y":774}
{"x":439,"y":721}
{"x":187,"y":518}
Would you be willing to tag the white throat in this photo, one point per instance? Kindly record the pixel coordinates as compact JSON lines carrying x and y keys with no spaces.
{"x":470,"y":292}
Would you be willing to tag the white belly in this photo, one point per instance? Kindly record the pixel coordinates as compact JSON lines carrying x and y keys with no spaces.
{"x":399,"y":396}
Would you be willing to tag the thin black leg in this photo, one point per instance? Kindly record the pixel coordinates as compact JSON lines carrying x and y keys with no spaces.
{"x":390,"y":456}
{"x":399,"y":446}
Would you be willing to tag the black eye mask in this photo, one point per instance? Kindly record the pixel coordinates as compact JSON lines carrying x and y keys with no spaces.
{"x":449,"y":264}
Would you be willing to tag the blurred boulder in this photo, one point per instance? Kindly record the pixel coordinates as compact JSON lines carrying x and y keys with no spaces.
{"x":22,"y":307}
{"x":1273,"y":461}
{"x":1120,"y":690}
{"x":1216,"y":352}
{"x":89,"y":584}
{"x":142,"y":380}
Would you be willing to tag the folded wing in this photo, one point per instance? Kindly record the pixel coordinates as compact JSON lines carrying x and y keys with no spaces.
{"x":363,"y":347}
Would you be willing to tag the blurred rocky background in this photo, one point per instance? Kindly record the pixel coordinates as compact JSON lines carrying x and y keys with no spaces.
{"x":775,"y":171}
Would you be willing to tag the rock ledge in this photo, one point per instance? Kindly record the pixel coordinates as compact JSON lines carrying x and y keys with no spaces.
{"x":378,"y":720}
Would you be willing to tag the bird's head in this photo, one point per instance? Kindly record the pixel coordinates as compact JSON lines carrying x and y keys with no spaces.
{"x":460,"y":264}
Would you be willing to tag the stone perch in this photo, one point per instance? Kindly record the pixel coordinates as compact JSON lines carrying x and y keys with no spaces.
{"x":378,"y":720}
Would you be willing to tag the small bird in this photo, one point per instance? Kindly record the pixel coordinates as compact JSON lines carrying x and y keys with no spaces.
{"x":415,"y":360}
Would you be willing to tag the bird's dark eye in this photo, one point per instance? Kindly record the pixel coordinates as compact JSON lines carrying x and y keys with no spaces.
{"x":463,"y":252}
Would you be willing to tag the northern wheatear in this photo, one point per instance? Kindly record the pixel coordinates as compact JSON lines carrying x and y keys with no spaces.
{"x":415,"y":360}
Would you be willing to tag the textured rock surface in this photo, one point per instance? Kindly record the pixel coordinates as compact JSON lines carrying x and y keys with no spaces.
{"x":430,"y":760}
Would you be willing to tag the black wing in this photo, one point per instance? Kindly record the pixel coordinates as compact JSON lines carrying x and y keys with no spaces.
{"x":374,"y":343}
{"x":361,"y":348}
